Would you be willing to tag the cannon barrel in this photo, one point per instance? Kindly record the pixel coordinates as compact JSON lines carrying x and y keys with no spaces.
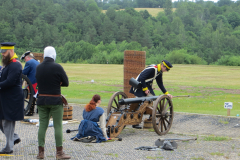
{"x":142,"y":99}
{"x":137,"y":100}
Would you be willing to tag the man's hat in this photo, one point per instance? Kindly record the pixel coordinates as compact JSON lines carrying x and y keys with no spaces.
{"x":26,"y":54}
{"x":167,"y":64}
{"x":6,"y":45}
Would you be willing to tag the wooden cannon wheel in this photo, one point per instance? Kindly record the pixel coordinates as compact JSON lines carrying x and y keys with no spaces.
{"x":162,"y":114}
{"x":113,"y":103}
{"x":28,"y":93}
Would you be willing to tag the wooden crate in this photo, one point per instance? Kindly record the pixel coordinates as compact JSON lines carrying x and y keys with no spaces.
{"x":68,"y":112}
{"x":38,"y":56}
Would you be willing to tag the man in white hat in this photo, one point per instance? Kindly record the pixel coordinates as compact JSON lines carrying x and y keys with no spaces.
{"x":50,"y":77}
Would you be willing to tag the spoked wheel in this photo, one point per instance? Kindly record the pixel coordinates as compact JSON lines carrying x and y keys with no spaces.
{"x":162,"y":114}
{"x":113,"y":103}
{"x":28,"y":93}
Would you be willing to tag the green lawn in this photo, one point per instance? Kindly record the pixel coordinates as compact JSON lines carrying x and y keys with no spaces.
{"x":209,"y":86}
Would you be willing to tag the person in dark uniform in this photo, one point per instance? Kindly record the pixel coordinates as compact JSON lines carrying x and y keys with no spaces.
{"x":11,"y":96}
{"x":30,"y":71}
{"x":146,"y":78}
{"x":50,"y":77}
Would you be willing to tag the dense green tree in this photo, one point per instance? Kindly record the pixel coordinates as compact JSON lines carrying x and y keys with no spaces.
{"x":108,"y":30}
{"x":224,"y":2}
{"x":234,"y":19}
{"x":88,"y":2}
{"x":122,"y":34}
{"x":5,"y":32}
{"x":93,"y":7}
{"x":144,"y":14}
{"x":91,"y":36}
{"x":168,"y":9}
{"x":135,"y":36}
{"x":82,"y":34}
{"x":111,"y":13}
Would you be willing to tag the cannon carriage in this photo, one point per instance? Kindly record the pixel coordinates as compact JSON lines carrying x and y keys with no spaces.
{"x":124,"y":111}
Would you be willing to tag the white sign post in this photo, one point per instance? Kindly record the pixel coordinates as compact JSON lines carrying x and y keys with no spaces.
{"x":228,"y":106}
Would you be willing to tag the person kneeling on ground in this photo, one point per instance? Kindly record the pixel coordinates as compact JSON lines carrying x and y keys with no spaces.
{"x":89,"y":126}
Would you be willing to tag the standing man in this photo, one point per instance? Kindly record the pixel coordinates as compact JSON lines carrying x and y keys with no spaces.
{"x":30,"y":68}
{"x":50,"y":77}
{"x":146,"y":78}
{"x":11,"y":96}
{"x":30,"y":71}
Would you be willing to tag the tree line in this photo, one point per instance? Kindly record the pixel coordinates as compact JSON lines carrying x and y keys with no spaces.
{"x":196,"y":33}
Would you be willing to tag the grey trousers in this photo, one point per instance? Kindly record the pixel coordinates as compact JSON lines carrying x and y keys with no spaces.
{"x":7,"y":127}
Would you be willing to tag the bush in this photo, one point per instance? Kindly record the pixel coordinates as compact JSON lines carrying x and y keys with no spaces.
{"x":229,"y":61}
{"x":98,"y":58}
{"x":115,"y":57}
{"x":154,"y":59}
{"x":182,"y":57}
{"x":81,"y":61}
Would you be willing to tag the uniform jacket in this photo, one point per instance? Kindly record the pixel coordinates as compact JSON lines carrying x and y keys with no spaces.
{"x":89,"y":126}
{"x":11,"y":93}
{"x":49,"y":75}
{"x":30,"y":70}
{"x":146,"y":78}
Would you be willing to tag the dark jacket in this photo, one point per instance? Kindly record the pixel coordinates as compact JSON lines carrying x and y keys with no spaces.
{"x":49,"y":76}
{"x":30,"y":70}
{"x":148,"y":73}
{"x":11,"y":93}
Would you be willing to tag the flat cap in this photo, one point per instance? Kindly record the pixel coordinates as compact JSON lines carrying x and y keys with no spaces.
{"x":6,"y":45}
{"x":167,"y":64}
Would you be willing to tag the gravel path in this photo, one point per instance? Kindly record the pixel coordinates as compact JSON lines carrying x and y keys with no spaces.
{"x":184,"y":126}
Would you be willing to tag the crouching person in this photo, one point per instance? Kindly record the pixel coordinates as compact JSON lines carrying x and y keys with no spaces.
{"x":89,"y":126}
{"x":50,"y":77}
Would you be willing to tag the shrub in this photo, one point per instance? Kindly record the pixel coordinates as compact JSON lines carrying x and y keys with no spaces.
{"x":98,"y":58}
{"x":154,"y":59}
{"x":229,"y":60}
{"x":182,"y":57}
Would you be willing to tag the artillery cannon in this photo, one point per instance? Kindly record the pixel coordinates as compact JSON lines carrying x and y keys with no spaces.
{"x":124,"y":111}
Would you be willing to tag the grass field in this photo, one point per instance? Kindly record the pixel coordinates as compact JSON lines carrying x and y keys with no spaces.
{"x":152,"y":11}
{"x":209,"y":86}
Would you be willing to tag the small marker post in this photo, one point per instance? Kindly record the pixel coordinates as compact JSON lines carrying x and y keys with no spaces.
{"x":228,"y":106}
{"x":228,"y":112}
